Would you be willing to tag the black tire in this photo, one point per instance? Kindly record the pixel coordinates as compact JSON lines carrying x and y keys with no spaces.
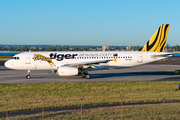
{"x":28,"y":76}
{"x":88,"y":76}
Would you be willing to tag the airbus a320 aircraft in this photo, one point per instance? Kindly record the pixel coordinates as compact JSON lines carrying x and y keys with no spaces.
{"x":80,"y":62}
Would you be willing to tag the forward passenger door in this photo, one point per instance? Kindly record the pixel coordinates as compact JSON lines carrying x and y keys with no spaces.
{"x":27,"y":59}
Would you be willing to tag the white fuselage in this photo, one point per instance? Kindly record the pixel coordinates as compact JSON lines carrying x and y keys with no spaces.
{"x":26,"y":61}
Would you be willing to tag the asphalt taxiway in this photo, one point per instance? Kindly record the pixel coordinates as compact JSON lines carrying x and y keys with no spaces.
{"x":8,"y":76}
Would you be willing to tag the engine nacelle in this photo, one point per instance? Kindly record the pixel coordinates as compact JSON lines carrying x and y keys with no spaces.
{"x":67,"y":71}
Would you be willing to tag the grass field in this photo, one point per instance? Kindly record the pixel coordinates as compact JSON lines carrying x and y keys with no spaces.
{"x":137,"y":112}
{"x":28,"y":96}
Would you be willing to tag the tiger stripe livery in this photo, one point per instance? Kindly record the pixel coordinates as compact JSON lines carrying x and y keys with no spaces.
{"x":44,"y":58}
{"x":157,"y":42}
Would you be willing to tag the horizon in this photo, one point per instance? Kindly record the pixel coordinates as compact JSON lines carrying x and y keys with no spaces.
{"x":5,"y":45}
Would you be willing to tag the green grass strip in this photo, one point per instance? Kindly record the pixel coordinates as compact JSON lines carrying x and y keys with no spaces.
{"x":28,"y":96}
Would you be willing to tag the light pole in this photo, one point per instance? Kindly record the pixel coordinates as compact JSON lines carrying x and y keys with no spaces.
{"x":7,"y":106}
{"x":163,"y":104}
{"x":81,"y":98}
{"x":43,"y":107}
{"x":121,"y":104}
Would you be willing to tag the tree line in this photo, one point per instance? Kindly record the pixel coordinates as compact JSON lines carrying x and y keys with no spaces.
{"x":174,"y":48}
{"x":75,"y":48}
{"x":52,"y":48}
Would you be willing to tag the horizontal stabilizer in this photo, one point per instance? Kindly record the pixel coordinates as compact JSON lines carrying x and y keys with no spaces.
{"x":162,"y":55}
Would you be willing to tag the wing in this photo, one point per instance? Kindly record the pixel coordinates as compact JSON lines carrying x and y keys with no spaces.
{"x":90,"y":64}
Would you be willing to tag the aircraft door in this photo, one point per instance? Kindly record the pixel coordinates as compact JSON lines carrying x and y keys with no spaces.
{"x":28,"y":59}
{"x":139,"y":58}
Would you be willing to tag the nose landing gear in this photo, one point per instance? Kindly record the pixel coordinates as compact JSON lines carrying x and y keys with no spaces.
{"x":28,"y":75}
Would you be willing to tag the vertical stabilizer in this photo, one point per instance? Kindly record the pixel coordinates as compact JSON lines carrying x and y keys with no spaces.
{"x":157,"y":42}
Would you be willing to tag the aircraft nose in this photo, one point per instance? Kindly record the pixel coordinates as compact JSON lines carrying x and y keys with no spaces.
{"x":7,"y":64}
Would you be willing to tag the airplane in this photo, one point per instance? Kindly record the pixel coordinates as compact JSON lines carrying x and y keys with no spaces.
{"x":71,"y":63}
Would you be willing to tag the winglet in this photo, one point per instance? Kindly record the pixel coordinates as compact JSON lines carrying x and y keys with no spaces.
{"x":115,"y":59}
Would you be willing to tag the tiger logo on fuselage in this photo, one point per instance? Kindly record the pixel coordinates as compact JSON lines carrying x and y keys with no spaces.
{"x":44,"y":58}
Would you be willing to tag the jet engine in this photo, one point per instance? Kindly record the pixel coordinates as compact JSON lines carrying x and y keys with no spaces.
{"x":67,"y":71}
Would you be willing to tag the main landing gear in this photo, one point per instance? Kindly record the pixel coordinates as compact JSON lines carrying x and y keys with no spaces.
{"x":28,"y":75}
{"x":86,"y":75}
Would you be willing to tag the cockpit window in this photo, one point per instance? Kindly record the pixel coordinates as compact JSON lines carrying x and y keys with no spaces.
{"x":15,"y":58}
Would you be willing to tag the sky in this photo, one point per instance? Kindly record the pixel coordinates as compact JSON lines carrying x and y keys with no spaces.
{"x":87,"y":22}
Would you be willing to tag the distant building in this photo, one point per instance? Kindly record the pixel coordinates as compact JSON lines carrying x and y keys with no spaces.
{"x":105,"y":47}
{"x":128,"y":48}
{"x":99,"y":49}
{"x":168,"y":50}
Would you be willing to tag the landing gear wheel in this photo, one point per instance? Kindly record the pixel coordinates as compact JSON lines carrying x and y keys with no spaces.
{"x":28,"y":76}
{"x":88,"y":76}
